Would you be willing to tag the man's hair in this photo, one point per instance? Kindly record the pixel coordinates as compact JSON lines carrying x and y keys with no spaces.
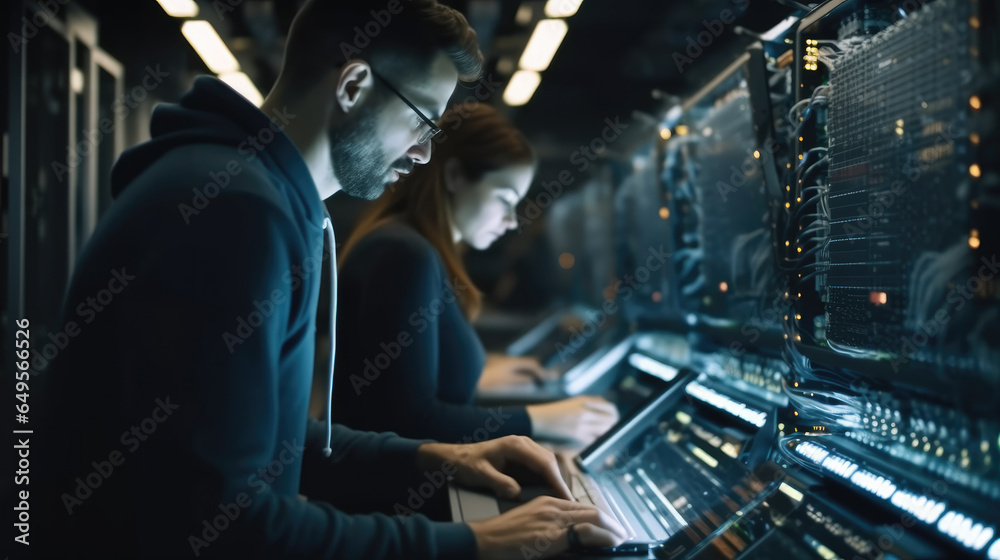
{"x":397,"y":37}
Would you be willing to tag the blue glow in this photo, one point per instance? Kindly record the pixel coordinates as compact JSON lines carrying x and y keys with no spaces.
{"x":722,"y":402}
{"x":960,"y":527}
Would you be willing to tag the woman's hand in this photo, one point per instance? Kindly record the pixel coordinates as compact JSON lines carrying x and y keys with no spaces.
{"x":503,"y":371}
{"x":580,"y":419}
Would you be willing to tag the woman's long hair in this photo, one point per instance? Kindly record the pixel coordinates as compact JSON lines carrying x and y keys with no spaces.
{"x":482,"y":140}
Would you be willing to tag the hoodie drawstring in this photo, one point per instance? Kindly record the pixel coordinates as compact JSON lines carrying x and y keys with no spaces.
{"x":331,"y":243}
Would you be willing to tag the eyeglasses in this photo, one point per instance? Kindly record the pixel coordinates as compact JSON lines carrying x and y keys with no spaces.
{"x":432,"y":129}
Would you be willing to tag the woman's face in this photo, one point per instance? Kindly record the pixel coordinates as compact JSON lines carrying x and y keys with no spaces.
{"x":484,"y":210}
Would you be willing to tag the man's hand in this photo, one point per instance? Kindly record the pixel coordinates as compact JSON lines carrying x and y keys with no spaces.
{"x":488,"y":464}
{"x":542,"y":527}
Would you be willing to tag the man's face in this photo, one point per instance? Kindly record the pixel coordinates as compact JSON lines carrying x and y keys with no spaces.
{"x":379,"y":144}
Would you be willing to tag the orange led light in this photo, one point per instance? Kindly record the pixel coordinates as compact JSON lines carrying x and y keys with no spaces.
{"x":566,"y":260}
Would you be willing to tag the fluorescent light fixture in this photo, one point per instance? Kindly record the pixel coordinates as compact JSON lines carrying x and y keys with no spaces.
{"x":779,"y":29}
{"x":242,"y":83}
{"x":542,"y":45}
{"x":209,"y":46}
{"x":521,"y":87}
{"x":561,"y":8}
{"x":179,"y":8}
{"x":505,"y":65}
{"x":523,"y":15}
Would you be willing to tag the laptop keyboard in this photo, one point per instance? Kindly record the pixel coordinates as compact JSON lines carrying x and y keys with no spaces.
{"x":579,"y":488}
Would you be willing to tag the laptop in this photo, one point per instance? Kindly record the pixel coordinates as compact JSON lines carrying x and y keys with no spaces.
{"x":683,"y":468}
{"x":569,"y":343}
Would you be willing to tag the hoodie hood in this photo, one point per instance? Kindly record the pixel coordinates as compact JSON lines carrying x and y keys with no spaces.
{"x":213,"y":113}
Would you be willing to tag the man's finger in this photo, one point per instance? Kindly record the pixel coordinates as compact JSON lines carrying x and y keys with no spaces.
{"x":540,"y":460}
{"x":593,"y":536}
{"x":586,"y":513}
{"x":503,"y":485}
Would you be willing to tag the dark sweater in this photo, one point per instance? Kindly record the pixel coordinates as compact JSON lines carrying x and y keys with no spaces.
{"x":182,"y":401}
{"x":407,"y":358}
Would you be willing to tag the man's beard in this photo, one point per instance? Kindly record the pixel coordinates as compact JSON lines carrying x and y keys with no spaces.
{"x":359,"y":164}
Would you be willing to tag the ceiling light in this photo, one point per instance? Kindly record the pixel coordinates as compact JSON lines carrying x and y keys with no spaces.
{"x":209,"y":46}
{"x":542,"y":45}
{"x":561,"y":8}
{"x":179,"y":8}
{"x":243,"y":84}
{"x":521,"y":87}
{"x":523,"y":15}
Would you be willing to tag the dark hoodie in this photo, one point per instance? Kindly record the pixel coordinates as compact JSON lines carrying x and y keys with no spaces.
{"x":175,"y":415}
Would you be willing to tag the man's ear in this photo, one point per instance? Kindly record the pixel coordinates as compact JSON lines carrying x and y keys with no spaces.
{"x":453,"y":176}
{"x":354,"y":82}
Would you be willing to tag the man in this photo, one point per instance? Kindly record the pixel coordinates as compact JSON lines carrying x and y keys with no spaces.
{"x":177,"y":413}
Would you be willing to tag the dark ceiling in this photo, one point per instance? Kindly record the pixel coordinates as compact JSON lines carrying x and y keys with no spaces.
{"x":620,"y":58}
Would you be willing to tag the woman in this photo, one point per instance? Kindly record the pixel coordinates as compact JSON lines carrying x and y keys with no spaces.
{"x":408,"y":359}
